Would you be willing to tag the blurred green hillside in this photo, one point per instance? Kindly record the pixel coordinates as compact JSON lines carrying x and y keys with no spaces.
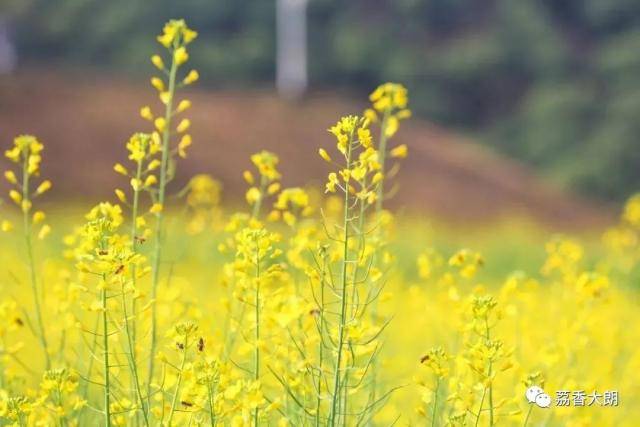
{"x":555,"y":83}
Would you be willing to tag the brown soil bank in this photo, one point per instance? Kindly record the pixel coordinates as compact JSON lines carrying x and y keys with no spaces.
{"x":84,"y":121}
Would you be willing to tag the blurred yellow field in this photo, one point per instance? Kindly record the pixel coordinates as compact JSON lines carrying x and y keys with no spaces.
{"x":305,"y":306}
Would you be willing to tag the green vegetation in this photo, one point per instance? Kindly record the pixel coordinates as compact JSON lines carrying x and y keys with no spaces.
{"x":554,"y":83}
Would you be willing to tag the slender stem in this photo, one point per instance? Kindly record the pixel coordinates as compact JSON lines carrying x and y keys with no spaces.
{"x":166,"y":136}
{"x":435,"y":403}
{"x":230,"y":338}
{"x":345,"y":404}
{"x":177,"y":392}
{"x":526,"y":420}
{"x":382,"y":153}
{"x":105,"y":332}
{"x":32,"y":267}
{"x":132,"y":361}
{"x":212,"y":415}
{"x":382,"y":156}
{"x":57,"y":399}
{"x":361,"y":247}
{"x":134,"y":245}
{"x":343,"y":297}
{"x":257,"y":319}
{"x":258,"y":204}
{"x":134,"y":209}
{"x":490,"y":397}
{"x":132,"y":326}
{"x":489,"y":372}
{"x":85,"y":384}
{"x":484,"y":392}
{"x":321,"y":343}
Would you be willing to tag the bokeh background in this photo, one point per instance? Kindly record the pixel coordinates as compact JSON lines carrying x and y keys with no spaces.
{"x":528,"y":106}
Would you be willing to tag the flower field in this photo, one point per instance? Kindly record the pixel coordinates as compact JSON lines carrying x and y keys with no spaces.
{"x":303,"y":306}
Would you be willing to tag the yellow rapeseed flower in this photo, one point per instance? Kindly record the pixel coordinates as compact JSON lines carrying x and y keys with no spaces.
{"x":120,"y":169}
{"x":185,"y":142}
{"x":158,"y":62}
{"x":248,"y":177}
{"x":10,"y":176}
{"x":121,"y":195}
{"x":6,"y":226}
{"x":145,"y":113}
{"x":157,"y":83}
{"x":38,"y":217}
{"x":183,"y":126}
{"x":15,"y":196}
{"x":181,"y":55}
{"x":399,"y":152}
{"x":44,"y":187}
{"x":192,"y":77}
{"x":156,"y":208}
{"x":44,"y":232}
{"x":160,"y":123}
{"x":185,"y":104}
{"x":323,"y":153}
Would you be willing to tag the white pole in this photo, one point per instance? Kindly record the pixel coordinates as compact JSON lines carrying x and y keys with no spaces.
{"x":291,"y":46}
{"x":8,"y":57}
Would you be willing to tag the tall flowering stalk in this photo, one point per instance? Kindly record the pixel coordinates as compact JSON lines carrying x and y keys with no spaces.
{"x":389,"y":107}
{"x":26,"y":154}
{"x":143,"y":150}
{"x":255,"y":269}
{"x":487,"y":355}
{"x":437,"y":361}
{"x":184,"y":335}
{"x":357,"y":179}
{"x":58,"y":393}
{"x":176,"y":36}
{"x":266,"y":184}
{"x":104,"y":253}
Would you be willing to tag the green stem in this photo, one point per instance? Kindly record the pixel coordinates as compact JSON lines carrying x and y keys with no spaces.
{"x":490,"y":398}
{"x":132,"y":326}
{"x":212,"y":416}
{"x":343,"y":297}
{"x":166,"y":136}
{"x":484,"y":392}
{"x":85,"y":384}
{"x":134,"y":245}
{"x":526,"y":420}
{"x":177,"y":392}
{"x":57,"y":399}
{"x":257,"y":319}
{"x":345,"y":405}
{"x":489,"y":372}
{"x":230,"y":338}
{"x":105,"y":331}
{"x":32,"y":267}
{"x":382,"y":153}
{"x":435,"y":403}
{"x":132,"y":361}
{"x":321,"y":343}
{"x":258,"y":204}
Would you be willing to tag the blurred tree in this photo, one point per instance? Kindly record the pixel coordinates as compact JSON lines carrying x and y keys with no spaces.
{"x":552,"y":82}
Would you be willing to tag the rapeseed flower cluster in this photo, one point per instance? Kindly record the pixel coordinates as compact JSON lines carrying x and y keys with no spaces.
{"x":302,"y":316}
